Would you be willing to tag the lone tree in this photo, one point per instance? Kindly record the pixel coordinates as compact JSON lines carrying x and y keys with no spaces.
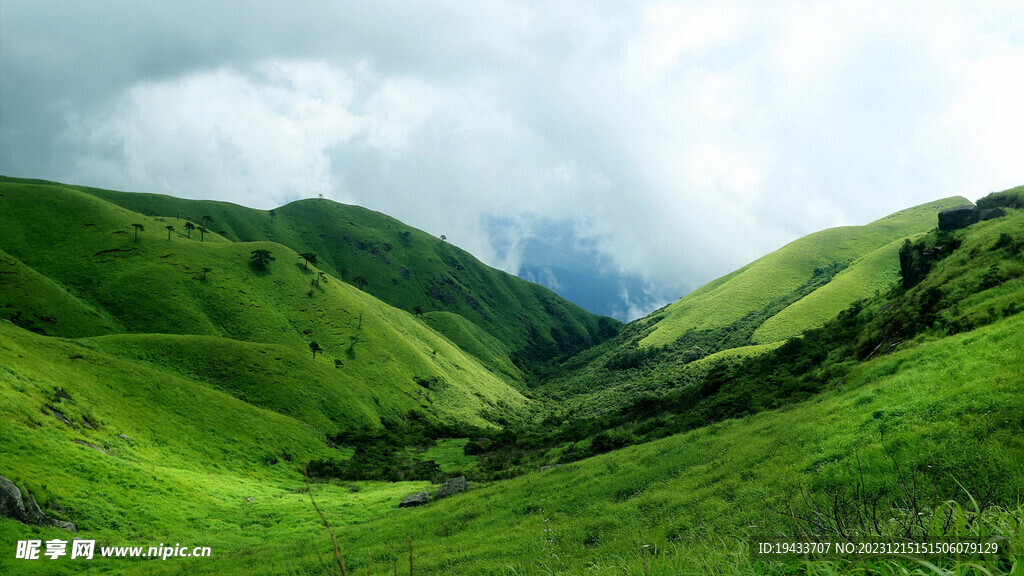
{"x":443,"y":237}
{"x":205,"y":270}
{"x":138,"y":228}
{"x":202,"y":234}
{"x":273,"y":214}
{"x":261,"y":258}
{"x":189,"y":227}
{"x":360,"y":282}
{"x":320,"y":277}
{"x":169,"y":230}
{"x":207,"y":220}
{"x":315,"y":349}
{"x":308,"y":258}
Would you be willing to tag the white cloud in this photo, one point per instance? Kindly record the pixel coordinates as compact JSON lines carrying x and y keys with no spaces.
{"x":682,"y":140}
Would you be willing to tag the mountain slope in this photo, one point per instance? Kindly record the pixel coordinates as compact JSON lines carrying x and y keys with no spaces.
{"x":185,"y":410}
{"x":769,"y":279}
{"x":378,"y":360}
{"x":400,"y":265}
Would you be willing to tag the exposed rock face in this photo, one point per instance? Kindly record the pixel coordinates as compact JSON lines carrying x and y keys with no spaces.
{"x":453,"y":486}
{"x":11,"y":504}
{"x":26,"y":510}
{"x":959,"y":217}
{"x":415,"y":499}
{"x":990,"y":213}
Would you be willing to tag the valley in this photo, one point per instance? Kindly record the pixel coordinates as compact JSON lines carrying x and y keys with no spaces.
{"x":197,"y":372}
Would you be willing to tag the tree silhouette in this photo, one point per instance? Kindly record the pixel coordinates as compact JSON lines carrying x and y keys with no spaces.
{"x":189,"y":227}
{"x":443,"y":237}
{"x":202,"y":234}
{"x":320,"y":276}
{"x":309,"y":258}
{"x":169,"y":230}
{"x":138,"y":228}
{"x":205,"y":270}
{"x":261,"y":258}
{"x":315,"y":349}
{"x":207,"y":220}
{"x":273,"y":214}
{"x":360,"y":282}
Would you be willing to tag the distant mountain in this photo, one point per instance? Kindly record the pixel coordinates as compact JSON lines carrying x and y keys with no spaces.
{"x":619,"y":296}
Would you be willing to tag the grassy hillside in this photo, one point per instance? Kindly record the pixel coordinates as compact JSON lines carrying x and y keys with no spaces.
{"x":688,"y":504}
{"x":400,"y":265}
{"x":150,"y":401}
{"x":376,"y":360}
{"x":771,"y":278}
{"x":618,"y":394}
{"x":875,"y":272}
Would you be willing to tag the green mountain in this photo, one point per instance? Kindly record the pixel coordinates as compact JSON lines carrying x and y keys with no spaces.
{"x":400,"y":265}
{"x":150,"y":299}
{"x":164,"y":390}
{"x":793,"y":272}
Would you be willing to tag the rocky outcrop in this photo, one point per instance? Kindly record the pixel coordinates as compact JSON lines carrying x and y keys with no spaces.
{"x":26,"y":510}
{"x":958,"y":217}
{"x":414,"y":499}
{"x":453,"y":486}
{"x":990,"y":213}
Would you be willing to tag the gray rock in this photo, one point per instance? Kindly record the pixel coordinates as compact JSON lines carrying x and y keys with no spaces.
{"x":26,"y":509}
{"x":990,"y":213}
{"x":250,"y":499}
{"x":124,"y":437}
{"x":548,"y":467}
{"x":11,"y":503}
{"x":415,"y":499}
{"x":959,"y":217}
{"x":90,"y":445}
{"x":453,"y":486}
{"x":60,"y":416}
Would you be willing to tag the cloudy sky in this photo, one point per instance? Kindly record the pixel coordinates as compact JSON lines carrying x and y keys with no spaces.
{"x":667,"y":142}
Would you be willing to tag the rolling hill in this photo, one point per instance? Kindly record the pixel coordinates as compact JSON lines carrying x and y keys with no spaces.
{"x":164,"y":389}
{"x":400,"y":265}
{"x":787,"y":273}
{"x":148,"y":296}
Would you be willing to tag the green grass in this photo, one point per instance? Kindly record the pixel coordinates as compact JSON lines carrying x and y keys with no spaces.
{"x":373,"y":353}
{"x":40,"y":304}
{"x":772,"y":277}
{"x":400,"y":265}
{"x":219,"y":398}
{"x":688,"y":497}
{"x":872,"y":273}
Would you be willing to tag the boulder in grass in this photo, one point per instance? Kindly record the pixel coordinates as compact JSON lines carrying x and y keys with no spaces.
{"x":414,"y":499}
{"x":990,"y":213}
{"x":453,"y":486}
{"x":11,"y":503}
{"x":26,"y":510}
{"x":959,"y":217}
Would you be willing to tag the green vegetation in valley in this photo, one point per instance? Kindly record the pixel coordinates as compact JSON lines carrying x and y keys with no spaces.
{"x":156,"y":391}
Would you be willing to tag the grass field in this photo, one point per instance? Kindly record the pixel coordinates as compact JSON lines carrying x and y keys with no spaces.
{"x":163,"y":389}
{"x":400,"y":265}
{"x":766,"y":280}
{"x":664,"y":505}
